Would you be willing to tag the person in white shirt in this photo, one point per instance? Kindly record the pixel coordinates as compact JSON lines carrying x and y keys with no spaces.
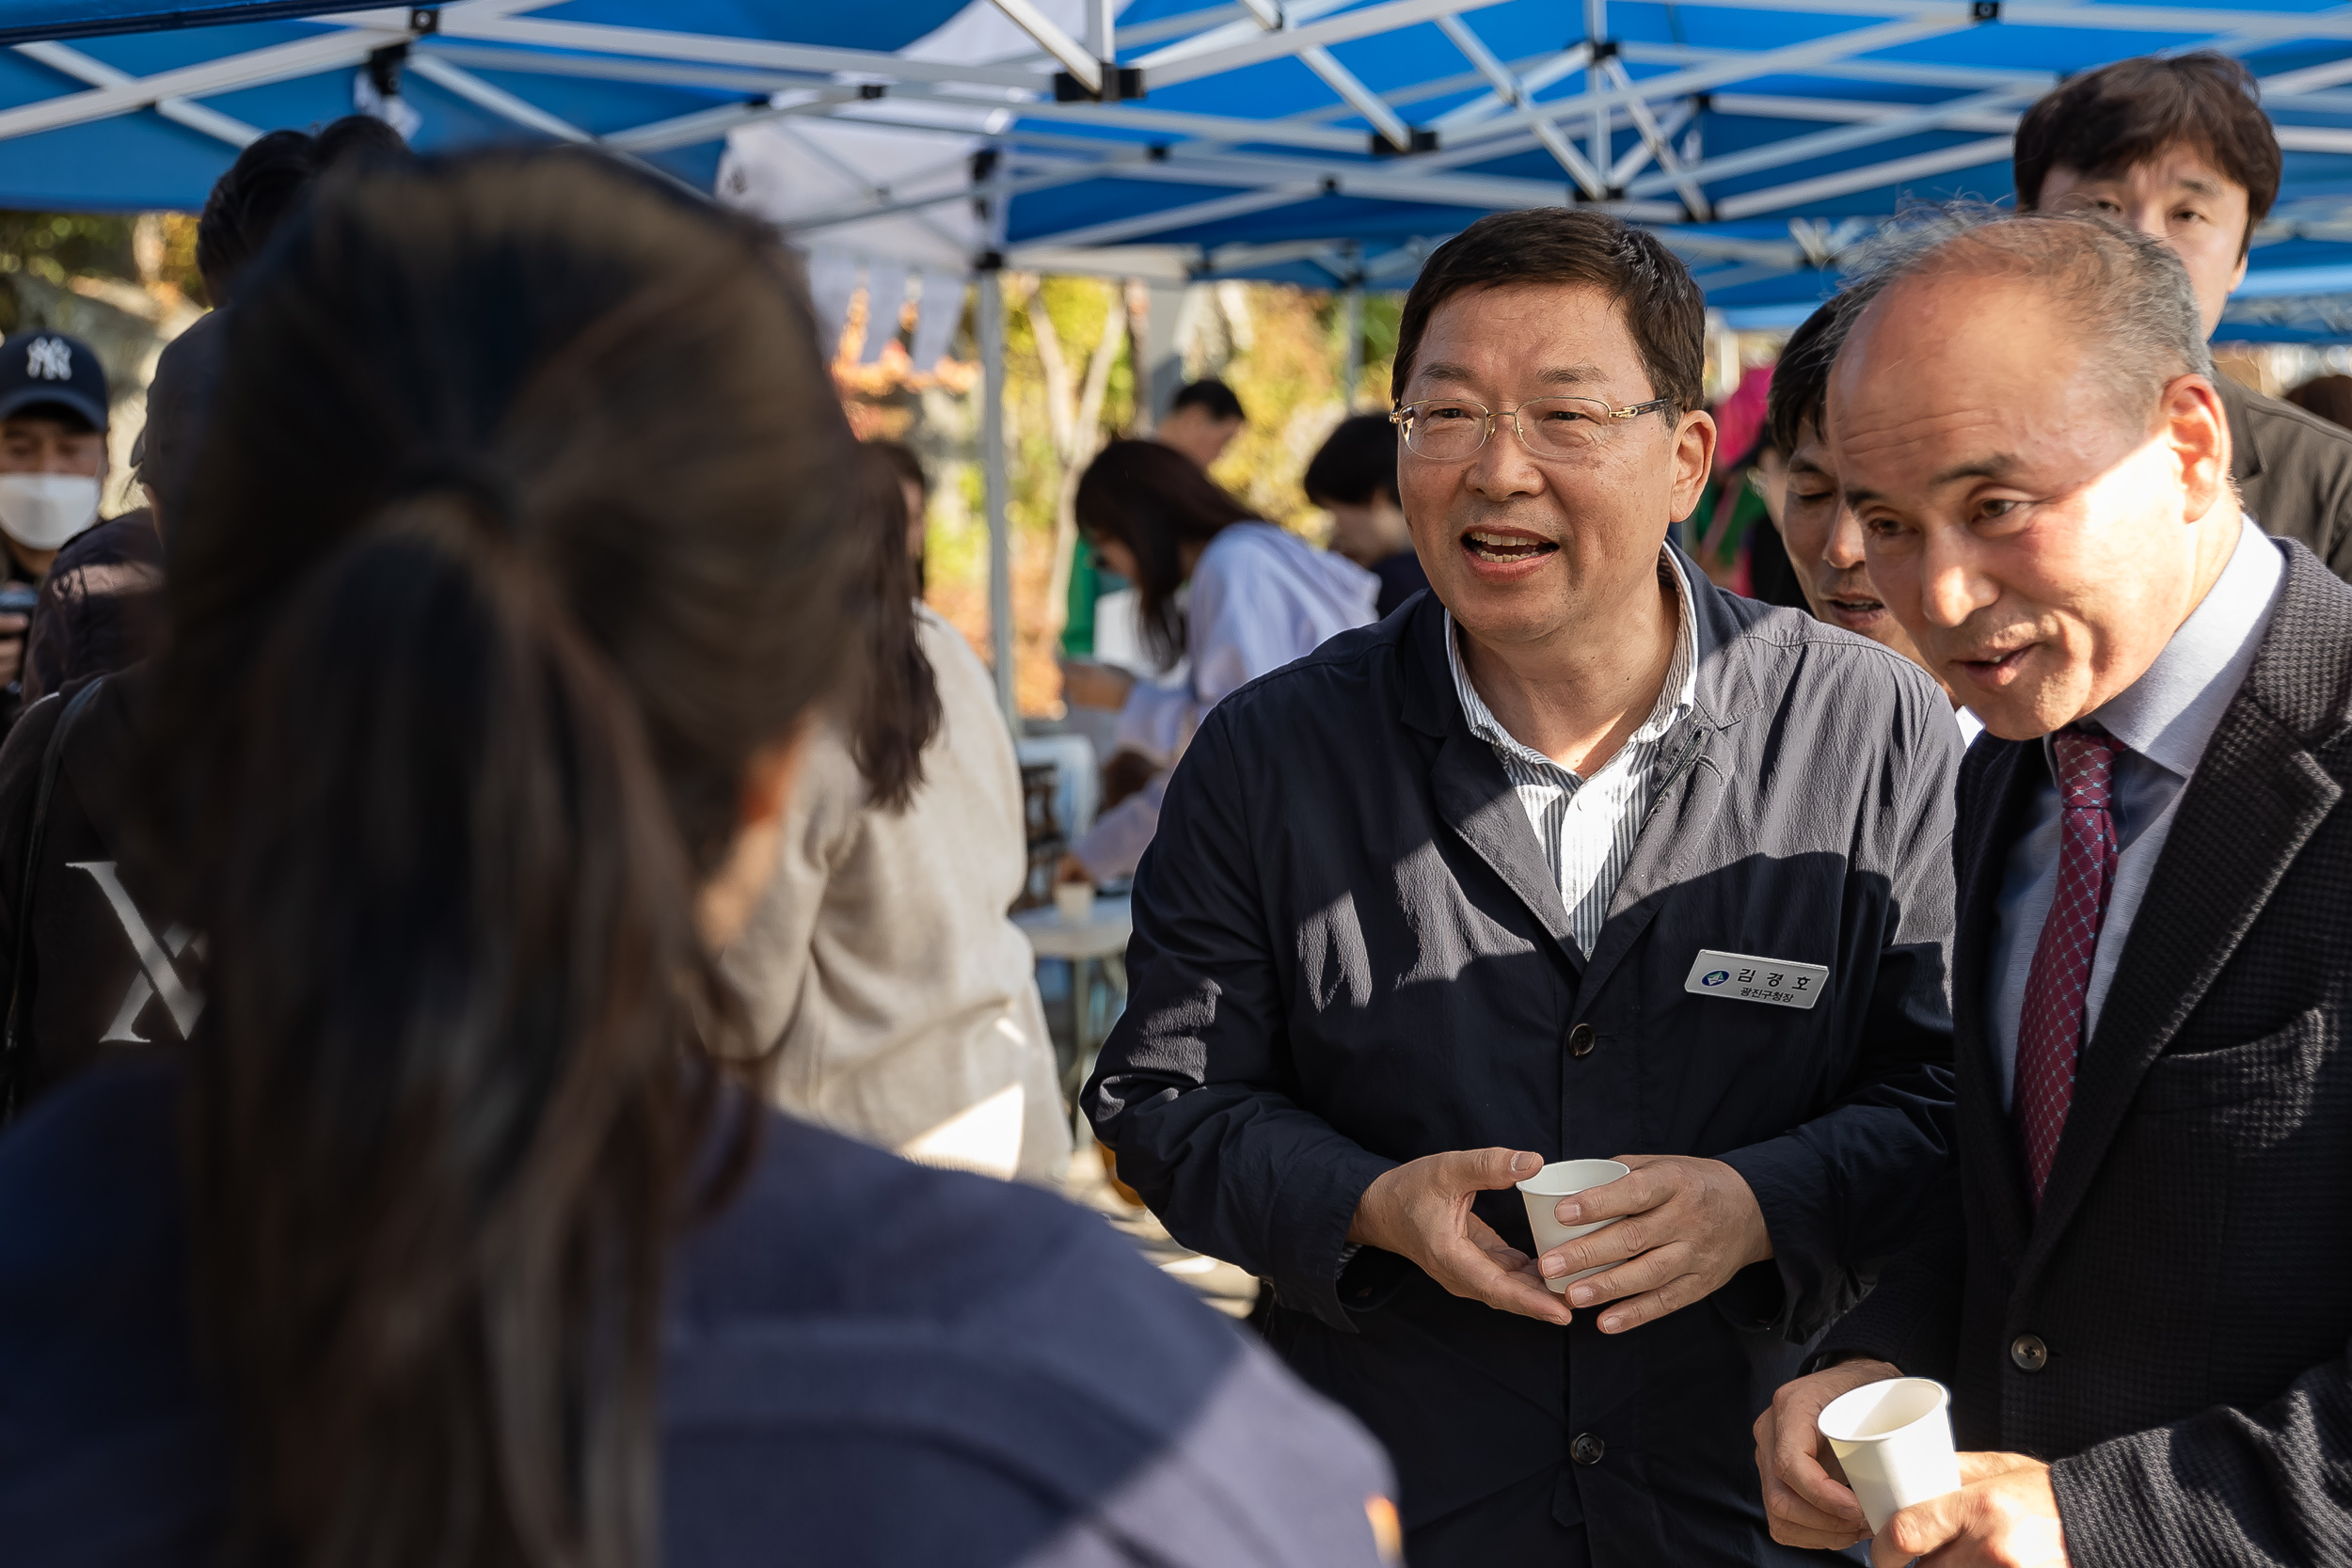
{"x":901,"y":1001}
{"x":1260,"y":597}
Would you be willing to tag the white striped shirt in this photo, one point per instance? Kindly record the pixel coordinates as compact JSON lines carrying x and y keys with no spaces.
{"x":1588,"y":827}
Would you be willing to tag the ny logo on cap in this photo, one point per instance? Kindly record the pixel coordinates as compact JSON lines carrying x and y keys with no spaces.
{"x":50,"y":359}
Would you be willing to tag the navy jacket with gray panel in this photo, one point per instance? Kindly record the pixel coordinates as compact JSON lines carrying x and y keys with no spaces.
{"x":1349,"y":952}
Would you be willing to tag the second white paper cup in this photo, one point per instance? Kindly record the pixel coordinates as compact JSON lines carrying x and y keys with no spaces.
{"x":1543,"y":1192}
{"x":1894,"y":1438}
{"x":1074,"y":902}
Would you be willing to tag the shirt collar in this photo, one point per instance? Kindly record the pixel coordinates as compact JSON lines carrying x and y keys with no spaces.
{"x":1675,"y":696}
{"x":2169,"y":714}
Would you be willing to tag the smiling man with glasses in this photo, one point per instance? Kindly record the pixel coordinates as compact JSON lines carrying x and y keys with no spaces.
{"x":1575,"y":856}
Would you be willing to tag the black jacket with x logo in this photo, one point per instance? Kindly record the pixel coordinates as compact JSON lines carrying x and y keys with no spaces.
{"x":102,"y":974}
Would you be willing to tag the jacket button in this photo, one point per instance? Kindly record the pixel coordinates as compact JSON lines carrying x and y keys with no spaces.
{"x":1587,"y":1448}
{"x":1581,"y":1044}
{"x":2028,"y":1352}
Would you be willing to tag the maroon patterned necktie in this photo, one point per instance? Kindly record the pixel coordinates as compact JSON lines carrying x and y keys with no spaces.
{"x":2050,"y":1027}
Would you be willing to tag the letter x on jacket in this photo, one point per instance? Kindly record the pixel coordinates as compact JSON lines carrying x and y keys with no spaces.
{"x":1349,"y":953}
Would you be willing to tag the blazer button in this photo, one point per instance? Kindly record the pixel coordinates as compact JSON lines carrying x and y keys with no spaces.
{"x":1581,"y":1044}
{"x":2028,"y":1352}
{"x":1587,"y":1448}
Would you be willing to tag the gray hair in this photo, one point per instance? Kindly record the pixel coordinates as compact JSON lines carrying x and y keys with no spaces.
{"x":2125,"y":293}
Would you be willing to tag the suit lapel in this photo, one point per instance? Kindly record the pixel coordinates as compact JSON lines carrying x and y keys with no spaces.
{"x":2256,"y":798}
{"x":1994,"y":798}
{"x":2258,"y":795}
{"x":1467,"y":782}
{"x":1690,"y":787}
{"x":1690,"y":792}
{"x":1476,"y":800}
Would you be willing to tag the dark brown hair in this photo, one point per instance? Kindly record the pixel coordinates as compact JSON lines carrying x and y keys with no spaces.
{"x":1154,"y":500}
{"x":1663,"y":309}
{"x":909,"y":468}
{"x":1356,"y":462}
{"x":903,"y":463}
{"x":2103,"y":121}
{"x":1212,"y":397}
{"x":2327,"y":396}
{"x":1799,"y":391}
{"x":269,"y":179}
{"x":520,"y":531}
{"x":898,"y":712}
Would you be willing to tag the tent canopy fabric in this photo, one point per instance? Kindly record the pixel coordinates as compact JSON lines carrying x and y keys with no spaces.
{"x":1328,"y":142}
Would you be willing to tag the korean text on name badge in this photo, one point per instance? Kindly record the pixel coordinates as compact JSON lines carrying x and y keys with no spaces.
{"x":1774,"y":981}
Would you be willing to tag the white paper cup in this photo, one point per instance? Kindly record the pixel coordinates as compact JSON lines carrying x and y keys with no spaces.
{"x":1543,"y":1192}
{"x":1894,"y":1439}
{"x":1074,"y":902}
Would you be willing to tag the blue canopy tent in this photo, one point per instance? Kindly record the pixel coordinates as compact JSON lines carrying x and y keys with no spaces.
{"x":1327,"y":142}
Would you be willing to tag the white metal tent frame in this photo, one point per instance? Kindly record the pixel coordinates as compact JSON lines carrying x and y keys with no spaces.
{"x":1653,"y":183}
{"x":1252,"y":165}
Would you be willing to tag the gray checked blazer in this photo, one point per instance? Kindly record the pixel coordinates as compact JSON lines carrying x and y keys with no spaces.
{"x":2171,"y":1329}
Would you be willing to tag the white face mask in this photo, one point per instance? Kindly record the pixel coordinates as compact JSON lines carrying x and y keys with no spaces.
{"x":42,"y":512}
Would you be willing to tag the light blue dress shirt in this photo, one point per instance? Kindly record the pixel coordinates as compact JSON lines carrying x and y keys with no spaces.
{"x":2165,"y":718}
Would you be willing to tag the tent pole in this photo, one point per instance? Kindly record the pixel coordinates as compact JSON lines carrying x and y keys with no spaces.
{"x":1162,"y":369}
{"x":1597,"y":145}
{"x":992,"y":325}
{"x":1353,"y":372}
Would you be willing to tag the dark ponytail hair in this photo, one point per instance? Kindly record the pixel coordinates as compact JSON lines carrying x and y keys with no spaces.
{"x":519,"y":533}
{"x":1154,"y":500}
{"x":899,"y":712}
{"x":269,"y":179}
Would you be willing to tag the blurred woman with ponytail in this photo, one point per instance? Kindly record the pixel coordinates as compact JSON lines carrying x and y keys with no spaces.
{"x":518,"y":566}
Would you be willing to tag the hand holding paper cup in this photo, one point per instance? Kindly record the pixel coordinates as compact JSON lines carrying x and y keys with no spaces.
{"x":1543,"y":1192}
{"x":1894,"y":1440}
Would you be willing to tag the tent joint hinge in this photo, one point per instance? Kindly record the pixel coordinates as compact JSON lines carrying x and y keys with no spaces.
{"x":1422,"y":141}
{"x":1122,"y":84}
{"x":1984,"y":10}
{"x":383,"y":68}
{"x":423,"y":21}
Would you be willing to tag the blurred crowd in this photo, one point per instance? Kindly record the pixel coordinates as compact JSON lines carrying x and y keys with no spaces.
{"x":517,"y":1050}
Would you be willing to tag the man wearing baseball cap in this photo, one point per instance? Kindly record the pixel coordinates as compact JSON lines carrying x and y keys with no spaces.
{"x":53,"y":463}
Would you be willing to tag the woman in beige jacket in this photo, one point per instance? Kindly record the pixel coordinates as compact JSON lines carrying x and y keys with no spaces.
{"x":902,"y":1000}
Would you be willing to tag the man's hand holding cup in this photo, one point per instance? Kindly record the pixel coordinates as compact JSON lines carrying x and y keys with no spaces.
{"x":1805,"y":1496}
{"x":1421,"y":1211}
{"x":1672,"y":1231}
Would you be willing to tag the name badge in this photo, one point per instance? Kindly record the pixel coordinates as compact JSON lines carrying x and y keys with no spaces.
{"x":1776,"y":981}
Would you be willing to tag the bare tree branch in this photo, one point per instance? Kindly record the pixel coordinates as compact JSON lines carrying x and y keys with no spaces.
{"x":1060,"y":395}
